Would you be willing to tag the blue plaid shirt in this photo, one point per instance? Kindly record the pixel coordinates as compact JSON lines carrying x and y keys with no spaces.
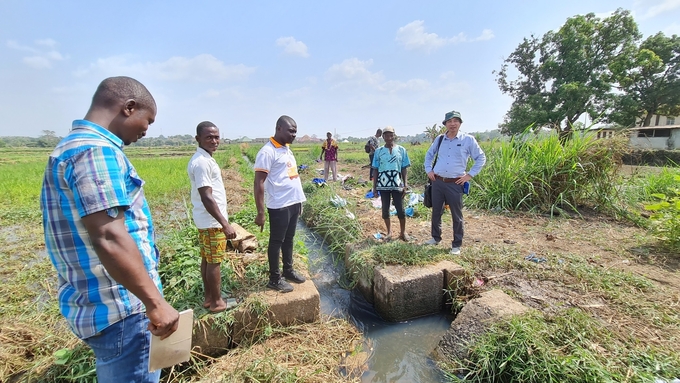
{"x":87,"y":173}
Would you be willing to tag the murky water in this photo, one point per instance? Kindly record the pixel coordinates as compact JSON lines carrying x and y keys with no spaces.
{"x":400,"y":350}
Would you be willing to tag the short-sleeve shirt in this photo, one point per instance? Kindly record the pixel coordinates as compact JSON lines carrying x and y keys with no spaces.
{"x":204,"y":171}
{"x":390,"y":165}
{"x":374,"y":143}
{"x":88,"y":173}
{"x":282,"y":187}
{"x":331,"y":151}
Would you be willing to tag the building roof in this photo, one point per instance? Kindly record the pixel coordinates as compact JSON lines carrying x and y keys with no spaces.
{"x":656,"y":127}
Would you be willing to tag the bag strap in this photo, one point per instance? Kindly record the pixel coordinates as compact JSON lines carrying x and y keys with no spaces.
{"x":436,"y":153}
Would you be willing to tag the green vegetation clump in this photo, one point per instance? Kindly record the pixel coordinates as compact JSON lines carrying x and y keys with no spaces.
{"x":336,"y":225}
{"x":546,"y":174}
{"x":666,"y":217}
{"x":569,"y":347}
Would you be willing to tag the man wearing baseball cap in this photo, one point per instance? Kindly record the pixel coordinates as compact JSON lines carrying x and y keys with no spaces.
{"x":449,"y":175}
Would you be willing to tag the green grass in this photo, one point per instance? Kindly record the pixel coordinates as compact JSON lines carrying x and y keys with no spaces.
{"x":541,"y":174}
{"x":570,"y":347}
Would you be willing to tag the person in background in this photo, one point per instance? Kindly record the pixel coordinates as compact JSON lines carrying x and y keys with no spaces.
{"x":390,"y":165}
{"x":330,"y":149}
{"x":276,"y":177}
{"x":210,"y":213}
{"x":373,"y":143}
{"x":100,"y":236}
{"x":449,"y":176}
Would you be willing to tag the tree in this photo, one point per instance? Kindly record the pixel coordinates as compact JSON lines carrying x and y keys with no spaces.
{"x":648,"y":81}
{"x":434,"y":131}
{"x":565,"y":73}
{"x":48,"y":139}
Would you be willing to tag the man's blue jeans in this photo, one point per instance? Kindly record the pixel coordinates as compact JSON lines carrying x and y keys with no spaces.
{"x":122,"y":351}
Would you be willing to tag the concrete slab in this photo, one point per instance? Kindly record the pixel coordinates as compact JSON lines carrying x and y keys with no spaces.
{"x":406,"y":292}
{"x":473,"y":320}
{"x":302,"y":305}
{"x":363,"y":277}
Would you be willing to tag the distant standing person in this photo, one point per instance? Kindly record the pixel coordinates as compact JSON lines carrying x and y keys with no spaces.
{"x":373,"y":143}
{"x":330,"y":149}
{"x":210,"y":213}
{"x":449,"y":176}
{"x":277,"y":179}
{"x":390,"y":165}
{"x":100,"y":237}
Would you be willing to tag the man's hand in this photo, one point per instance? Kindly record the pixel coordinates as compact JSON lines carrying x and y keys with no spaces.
{"x":229,"y":231}
{"x":431,"y":176}
{"x":260,"y":220}
{"x":163,"y":319}
{"x":464,"y":179}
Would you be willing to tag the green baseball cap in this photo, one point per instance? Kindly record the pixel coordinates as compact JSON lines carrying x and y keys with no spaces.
{"x":450,"y":115}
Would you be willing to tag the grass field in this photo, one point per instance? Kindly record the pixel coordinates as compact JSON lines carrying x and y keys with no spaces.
{"x":35,"y":342}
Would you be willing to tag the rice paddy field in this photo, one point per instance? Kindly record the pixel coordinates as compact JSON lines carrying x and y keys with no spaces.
{"x":606,"y":298}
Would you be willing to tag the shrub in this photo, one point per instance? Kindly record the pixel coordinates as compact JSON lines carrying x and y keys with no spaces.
{"x":666,"y":218}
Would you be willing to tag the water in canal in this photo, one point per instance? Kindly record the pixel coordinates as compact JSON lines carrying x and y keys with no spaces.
{"x":399,"y":350}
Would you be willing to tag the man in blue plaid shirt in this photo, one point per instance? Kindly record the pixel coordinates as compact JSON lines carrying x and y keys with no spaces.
{"x":100,"y":238}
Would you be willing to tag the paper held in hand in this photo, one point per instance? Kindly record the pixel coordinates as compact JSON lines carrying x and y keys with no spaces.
{"x":174,"y":349}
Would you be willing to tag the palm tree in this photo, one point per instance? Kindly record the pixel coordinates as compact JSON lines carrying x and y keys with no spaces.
{"x":434,"y":131}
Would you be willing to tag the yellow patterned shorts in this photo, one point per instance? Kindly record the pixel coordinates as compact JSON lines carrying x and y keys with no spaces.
{"x":213,"y":245}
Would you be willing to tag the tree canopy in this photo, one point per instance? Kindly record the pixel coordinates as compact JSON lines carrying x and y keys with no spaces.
{"x":648,"y":81}
{"x":565,"y":73}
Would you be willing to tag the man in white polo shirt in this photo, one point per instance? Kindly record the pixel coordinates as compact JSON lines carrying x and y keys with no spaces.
{"x":210,"y":213}
{"x":276,"y":176}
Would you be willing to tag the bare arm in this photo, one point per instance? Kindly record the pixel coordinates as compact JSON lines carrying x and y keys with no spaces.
{"x":404,"y":172}
{"x":119,"y":254}
{"x":260,"y":177}
{"x":214,"y":210}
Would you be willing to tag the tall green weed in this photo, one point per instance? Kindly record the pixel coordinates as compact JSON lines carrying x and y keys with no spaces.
{"x":540,"y":173}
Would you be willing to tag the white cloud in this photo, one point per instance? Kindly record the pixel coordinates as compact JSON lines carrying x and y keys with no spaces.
{"x":353,"y":71}
{"x":664,"y":7}
{"x":487,"y":34}
{"x":292,"y":46}
{"x":413,"y":36}
{"x":37,"y":62}
{"x":46,"y":42}
{"x":201,"y":68}
{"x":39,"y":59}
{"x":16,"y":46}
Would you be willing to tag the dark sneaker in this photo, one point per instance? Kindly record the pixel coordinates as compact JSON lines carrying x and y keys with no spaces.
{"x":294,"y":276}
{"x":280,"y":285}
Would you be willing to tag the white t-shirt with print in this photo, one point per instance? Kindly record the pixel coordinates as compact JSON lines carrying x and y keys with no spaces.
{"x":282,"y":187}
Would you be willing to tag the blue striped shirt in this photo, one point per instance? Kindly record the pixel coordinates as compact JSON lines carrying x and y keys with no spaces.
{"x":87,"y":173}
{"x":453,"y":156}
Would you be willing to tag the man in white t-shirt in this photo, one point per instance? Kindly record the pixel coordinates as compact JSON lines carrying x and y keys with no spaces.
{"x":210,"y":213}
{"x":276,"y":176}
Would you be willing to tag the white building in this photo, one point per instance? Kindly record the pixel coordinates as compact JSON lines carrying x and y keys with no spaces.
{"x":664,"y":135}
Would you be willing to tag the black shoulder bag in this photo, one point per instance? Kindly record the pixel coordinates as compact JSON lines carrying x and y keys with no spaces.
{"x":427,"y":195}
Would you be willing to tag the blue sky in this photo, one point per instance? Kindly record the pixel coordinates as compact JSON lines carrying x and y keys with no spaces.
{"x":347,"y":67}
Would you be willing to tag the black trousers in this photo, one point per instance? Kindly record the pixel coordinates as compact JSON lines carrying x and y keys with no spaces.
{"x":282,"y":224}
{"x":397,"y":201}
{"x":452,"y":195}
